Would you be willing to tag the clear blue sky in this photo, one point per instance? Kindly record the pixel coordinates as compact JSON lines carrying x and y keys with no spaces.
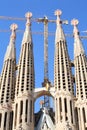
{"x":70,"y":8}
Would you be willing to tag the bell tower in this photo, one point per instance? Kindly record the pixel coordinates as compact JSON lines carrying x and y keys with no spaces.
{"x":7,"y":86}
{"x":63,"y":81}
{"x":24,"y":102}
{"x":80,"y":62}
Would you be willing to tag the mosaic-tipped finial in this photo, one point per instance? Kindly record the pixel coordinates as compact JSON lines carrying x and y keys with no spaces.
{"x":58,"y":13}
{"x":28,"y":16}
{"x":78,"y":47}
{"x":13,"y":28}
{"x":75,"y":22}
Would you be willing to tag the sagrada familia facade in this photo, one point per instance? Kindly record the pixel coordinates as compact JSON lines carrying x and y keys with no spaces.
{"x":17,"y":85}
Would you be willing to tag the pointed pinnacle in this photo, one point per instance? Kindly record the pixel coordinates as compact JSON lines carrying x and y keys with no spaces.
{"x":58,"y":13}
{"x":78,"y":47}
{"x":75,"y":22}
{"x":28,"y":16}
{"x":13,"y":28}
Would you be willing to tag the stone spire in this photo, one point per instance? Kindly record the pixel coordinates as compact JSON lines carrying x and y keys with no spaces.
{"x":25,"y":82}
{"x":26,"y":61}
{"x":8,"y":73}
{"x":77,"y":40}
{"x":27,"y":34}
{"x":59,"y":31}
{"x":80,"y":63}
{"x":10,"y":53}
{"x":8,"y":83}
{"x":63,"y":82}
{"x":62,"y":62}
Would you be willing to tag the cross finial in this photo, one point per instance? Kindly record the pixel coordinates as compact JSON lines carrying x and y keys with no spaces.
{"x":13,"y":28}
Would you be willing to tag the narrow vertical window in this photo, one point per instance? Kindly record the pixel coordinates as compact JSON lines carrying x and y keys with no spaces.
{"x":65,"y":103}
{"x":31,"y":111}
{"x":60,"y":106}
{"x":84,"y":115}
{"x":76,"y":115}
{"x":21,"y":110}
{"x":0,"y":119}
{"x":56,"y":111}
{"x":71,"y":111}
{"x":11,"y":120}
{"x":16,"y":110}
{"x":26,"y":110}
{"x":79,"y":115}
{"x":21,"y":107}
{"x":5,"y":118}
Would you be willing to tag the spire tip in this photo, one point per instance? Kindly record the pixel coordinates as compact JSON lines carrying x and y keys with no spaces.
{"x":28,"y":15}
{"x":74,"y":22}
{"x":13,"y":26}
{"x":58,"y":12}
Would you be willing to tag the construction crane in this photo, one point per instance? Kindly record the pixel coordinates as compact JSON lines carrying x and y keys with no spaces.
{"x":38,"y":20}
{"x":46,"y":83}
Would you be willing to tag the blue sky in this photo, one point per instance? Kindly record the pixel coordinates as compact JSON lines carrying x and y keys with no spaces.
{"x":70,"y":8}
